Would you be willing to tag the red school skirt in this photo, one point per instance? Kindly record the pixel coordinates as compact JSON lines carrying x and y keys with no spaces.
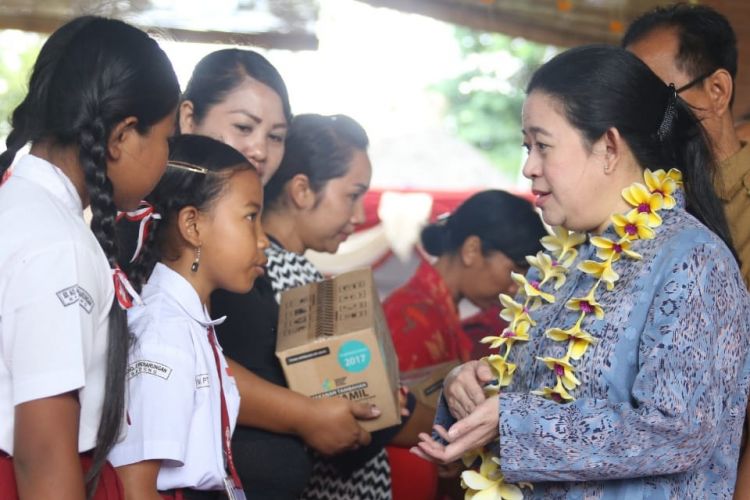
{"x":109,"y":487}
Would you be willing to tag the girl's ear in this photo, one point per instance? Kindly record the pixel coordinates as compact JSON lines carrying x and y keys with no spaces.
{"x":471,"y":251}
{"x":121,"y":133}
{"x":300,"y":192}
{"x":187,"y":118}
{"x":189,"y":222}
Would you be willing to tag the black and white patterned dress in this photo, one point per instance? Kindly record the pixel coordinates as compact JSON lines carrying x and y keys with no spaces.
{"x":372,"y":481}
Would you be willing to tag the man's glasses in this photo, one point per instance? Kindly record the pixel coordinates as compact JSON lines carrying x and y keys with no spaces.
{"x":695,"y":81}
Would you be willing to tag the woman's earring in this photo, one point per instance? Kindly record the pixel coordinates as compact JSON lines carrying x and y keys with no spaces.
{"x":197,"y":261}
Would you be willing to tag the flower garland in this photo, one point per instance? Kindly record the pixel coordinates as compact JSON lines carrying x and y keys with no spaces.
{"x":638,"y":224}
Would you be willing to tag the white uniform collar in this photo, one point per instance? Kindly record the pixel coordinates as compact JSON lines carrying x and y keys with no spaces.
{"x":51,"y":178}
{"x":178,"y":288}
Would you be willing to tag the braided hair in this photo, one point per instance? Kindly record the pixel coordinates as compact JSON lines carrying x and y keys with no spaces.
{"x":91,"y":74}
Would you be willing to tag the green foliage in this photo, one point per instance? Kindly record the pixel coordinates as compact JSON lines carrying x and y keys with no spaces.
{"x":18,"y":52}
{"x":484,"y":102}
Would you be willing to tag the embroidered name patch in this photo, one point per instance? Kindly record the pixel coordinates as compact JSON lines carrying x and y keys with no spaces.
{"x":149,"y":368}
{"x":201,"y":381}
{"x":76,"y":294}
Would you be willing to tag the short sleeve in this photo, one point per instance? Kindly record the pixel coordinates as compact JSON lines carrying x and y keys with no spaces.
{"x":161,"y":394}
{"x":50,"y":314}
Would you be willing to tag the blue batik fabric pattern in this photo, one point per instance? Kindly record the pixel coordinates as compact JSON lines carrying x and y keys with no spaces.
{"x":660,"y":410}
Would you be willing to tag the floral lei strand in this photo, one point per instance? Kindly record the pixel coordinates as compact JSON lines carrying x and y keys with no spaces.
{"x":638,"y":224}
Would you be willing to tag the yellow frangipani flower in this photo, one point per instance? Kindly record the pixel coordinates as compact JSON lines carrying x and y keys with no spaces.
{"x":607,"y":249}
{"x":488,"y":483}
{"x":600,"y":270}
{"x":549,"y":269}
{"x":633,"y":226}
{"x":673,"y":174}
{"x":517,"y":331}
{"x":558,"y":394}
{"x":587,"y":305}
{"x":562,"y":244}
{"x":659,"y":182}
{"x":531,"y":288}
{"x":644,"y":202}
{"x":578,"y":339}
{"x":503,"y":369}
{"x":513,"y":311}
{"x":564,"y":371}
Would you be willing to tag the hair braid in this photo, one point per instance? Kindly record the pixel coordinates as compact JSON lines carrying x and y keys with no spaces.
{"x":93,"y":140}
{"x":17,"y":138}
{"x":142,"y":267}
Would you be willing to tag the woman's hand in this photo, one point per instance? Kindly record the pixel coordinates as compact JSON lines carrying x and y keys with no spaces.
{"x":469,"y":433}
{"x":463,"y":387}
{"x":332,"y":425}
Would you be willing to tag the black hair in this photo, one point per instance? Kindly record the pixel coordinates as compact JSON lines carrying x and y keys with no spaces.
{"x":90,"y":75}
{"x":502,"y":222}
{"x":601,"y":87}
{"x":220,"y":72}
{"x":182,"y":185}
{"x":707,"y":41}
{"x":320,"y":147}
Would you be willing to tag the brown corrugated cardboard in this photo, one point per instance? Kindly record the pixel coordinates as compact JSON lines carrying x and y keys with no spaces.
{"x":427,"y":383}
{"x":333,"y":341}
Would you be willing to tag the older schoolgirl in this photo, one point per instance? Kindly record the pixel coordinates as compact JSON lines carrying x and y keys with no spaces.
{"x":204,"y":234}
{"x":100,"y":106}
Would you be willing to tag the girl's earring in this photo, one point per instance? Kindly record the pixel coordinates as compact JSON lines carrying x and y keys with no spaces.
{"x":197,"y":261}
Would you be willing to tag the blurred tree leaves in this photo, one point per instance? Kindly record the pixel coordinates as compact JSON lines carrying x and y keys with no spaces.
{"x":18,"y":52}
{"x":484,"y":101}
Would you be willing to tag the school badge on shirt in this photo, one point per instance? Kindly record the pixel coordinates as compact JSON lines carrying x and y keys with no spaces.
{"x":76,"y":294}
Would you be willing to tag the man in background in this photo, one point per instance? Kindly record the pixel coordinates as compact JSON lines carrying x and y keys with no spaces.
{"x":695,"y":48}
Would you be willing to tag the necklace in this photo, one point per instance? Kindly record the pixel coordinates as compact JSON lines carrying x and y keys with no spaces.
{"x":552,"y":269}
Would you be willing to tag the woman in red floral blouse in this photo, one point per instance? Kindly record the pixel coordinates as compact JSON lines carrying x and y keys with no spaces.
{"x":477,"y":247}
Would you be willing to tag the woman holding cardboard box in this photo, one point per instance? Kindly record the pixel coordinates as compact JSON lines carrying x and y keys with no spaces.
{"x":314,"y":201}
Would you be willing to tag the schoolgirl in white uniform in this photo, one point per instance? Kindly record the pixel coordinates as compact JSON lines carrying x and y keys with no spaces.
{"x":204,"y":234}
{"x":98,"y":142}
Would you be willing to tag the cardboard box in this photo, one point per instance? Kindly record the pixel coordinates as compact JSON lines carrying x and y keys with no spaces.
{"x":333,"y":341}
{"x":427,"y":383}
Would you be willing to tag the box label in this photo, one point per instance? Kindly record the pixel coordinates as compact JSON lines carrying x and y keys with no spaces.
{"x":306,"y":356}
{"x":354,"y":356}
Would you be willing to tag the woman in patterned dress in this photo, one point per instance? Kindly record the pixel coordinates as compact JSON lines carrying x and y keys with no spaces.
{"x":655,"y":405}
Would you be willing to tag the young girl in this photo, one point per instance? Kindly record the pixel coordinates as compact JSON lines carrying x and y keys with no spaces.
{"x":183,"y":404}
{"x":238,"y":97}
{"x":100,"y":107}
{"x":315,"y":201}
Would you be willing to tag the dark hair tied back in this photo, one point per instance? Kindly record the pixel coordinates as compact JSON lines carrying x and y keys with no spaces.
{"x":601,"y":87}
{"x":220,"y":72}
{"x":502,"y":222}
{"x":319,"y":147}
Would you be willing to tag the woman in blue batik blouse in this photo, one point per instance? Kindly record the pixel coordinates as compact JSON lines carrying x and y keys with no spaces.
{"x":624,"y":372}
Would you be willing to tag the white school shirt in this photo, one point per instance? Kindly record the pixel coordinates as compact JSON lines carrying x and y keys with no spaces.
{"x":55,"y":295}
{"x":174,"y":404}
